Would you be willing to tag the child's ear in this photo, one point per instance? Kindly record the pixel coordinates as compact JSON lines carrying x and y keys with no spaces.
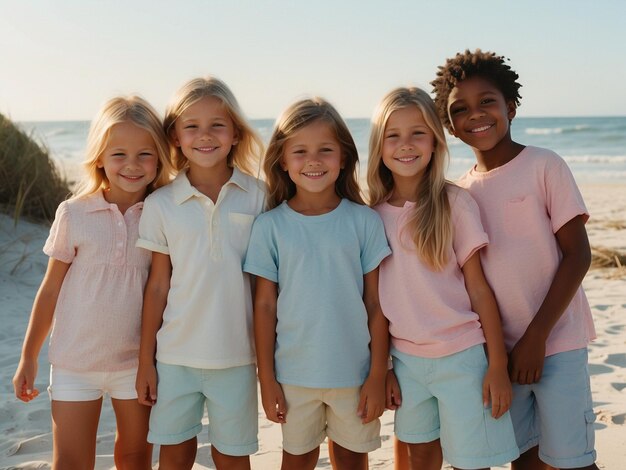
{"x":511,"y":110}
{"x":174,"y":137}
{"x":99,"y":163}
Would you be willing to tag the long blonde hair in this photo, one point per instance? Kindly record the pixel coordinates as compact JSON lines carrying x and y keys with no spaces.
{"x":115,"y":111}
{"x":246,"y":154}
{"x":429,"y":223}
{"x":297,"y":116}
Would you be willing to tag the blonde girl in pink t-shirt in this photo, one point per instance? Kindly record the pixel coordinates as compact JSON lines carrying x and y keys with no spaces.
{"x":451,"y":396}
{"x":92,"y":290}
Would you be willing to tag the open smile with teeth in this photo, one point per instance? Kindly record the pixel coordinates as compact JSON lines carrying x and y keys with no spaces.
{"x":314,"y":174}
{"x":481,"y":128}
{"x":206,"y":149}
{"x":409,"y":159}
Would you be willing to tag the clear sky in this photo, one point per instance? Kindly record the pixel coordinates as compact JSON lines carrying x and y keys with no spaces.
{"x":59,"y":60}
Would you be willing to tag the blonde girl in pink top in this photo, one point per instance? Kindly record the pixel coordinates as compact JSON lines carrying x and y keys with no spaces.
{"x":453,"y":393}
{"x":92,"y":290}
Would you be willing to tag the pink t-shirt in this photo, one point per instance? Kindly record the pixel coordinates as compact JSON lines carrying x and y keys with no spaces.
{"x":522,"y":205}
{"x":97,"y":319}
{"x":429,"y":312}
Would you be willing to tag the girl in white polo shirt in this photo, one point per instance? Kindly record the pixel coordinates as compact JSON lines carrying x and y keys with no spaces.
{"x":197,"y":314}
{"x":93,"y":290}
{"x":432,"y":289}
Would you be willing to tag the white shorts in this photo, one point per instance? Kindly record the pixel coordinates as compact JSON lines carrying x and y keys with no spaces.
{"x":69,"y":385}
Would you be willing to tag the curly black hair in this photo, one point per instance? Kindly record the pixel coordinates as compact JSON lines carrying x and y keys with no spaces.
{"x":487,"y":65}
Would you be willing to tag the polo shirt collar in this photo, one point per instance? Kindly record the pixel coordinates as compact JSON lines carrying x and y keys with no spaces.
{"x":97,"y":202}
{"x":183,"y":190}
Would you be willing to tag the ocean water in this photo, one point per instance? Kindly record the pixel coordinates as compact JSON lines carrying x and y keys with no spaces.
{"x":593,"y":147}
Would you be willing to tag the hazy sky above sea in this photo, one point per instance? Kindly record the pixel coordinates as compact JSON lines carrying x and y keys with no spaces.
{"x":59,"y":60}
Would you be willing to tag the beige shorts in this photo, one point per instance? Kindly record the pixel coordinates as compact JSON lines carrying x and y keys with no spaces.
{"x":314,"y":413}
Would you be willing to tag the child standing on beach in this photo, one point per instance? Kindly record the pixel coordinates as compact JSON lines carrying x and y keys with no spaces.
{"x":538,"y":256}
{"x":432,"y":289}
{"x":316,"y":255}
{"x":92,"y":291}
{"x":197,"y":314}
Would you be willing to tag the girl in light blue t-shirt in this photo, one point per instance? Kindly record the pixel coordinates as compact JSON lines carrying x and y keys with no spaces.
{"x":321,"y":337}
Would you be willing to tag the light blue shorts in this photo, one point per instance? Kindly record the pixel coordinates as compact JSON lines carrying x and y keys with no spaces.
{"x":231,"y":401}
{"x":442,"y":399}
{"x":556,"y":413}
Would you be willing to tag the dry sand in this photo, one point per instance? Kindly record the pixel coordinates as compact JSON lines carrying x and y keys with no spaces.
{"x":25,"y":429}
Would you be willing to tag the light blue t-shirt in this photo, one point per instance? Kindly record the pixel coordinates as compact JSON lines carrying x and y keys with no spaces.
{"x":322,"y":337}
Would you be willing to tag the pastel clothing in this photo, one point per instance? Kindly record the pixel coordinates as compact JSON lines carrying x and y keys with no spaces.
{"x":207,"y":322}
{"x":97,"y":319}
{"x":556,"y":413}
{"x":314,"y":413}
{"x":69,"y":385}
{"x":429,"y":311}
{"x":318,"y":263}
{"x":442,"y":399}
{"x":522,"y":205}
{"x":230,"y":396}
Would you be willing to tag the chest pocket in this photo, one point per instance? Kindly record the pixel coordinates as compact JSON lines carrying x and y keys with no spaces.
{"x":239,"y":228}
{"x":521,"y":215}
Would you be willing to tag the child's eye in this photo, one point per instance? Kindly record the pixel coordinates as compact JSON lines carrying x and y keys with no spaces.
{"x":487,"y":100}
{"x":218,"y":124}
{"x":391,"y":136}
{"x":457,"y":110}
{"x":118,"y":155}
{"x":419,"y":133}
{"x":190,"y":126}
{"x":145,"y":155}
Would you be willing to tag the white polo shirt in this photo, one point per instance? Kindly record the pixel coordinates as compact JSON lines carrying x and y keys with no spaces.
{"x":207,"y":322}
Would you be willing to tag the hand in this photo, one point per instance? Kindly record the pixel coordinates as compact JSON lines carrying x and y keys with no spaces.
{"x":372,"y":400}
{"x":392,"y":391}
{"x":497,"y":390}
{"x":146,"y":384}
{"x":273,"y":400}
{"x":526,"y":360}
{"x":24,"y":380}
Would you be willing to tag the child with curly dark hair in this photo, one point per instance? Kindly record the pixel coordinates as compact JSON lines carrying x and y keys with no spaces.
{"x":535,"y":262}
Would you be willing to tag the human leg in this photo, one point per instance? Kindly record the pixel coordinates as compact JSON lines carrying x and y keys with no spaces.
{"x":132,"y":450}
{"x":178,"y":456}
{"x":425,"y":455}
{"x":345,"y":459}
{"x":74,"y":430}
{"x":306,"y":461}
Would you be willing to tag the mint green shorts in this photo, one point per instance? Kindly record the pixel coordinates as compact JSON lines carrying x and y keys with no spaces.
{"x":442,"y":399}
{"x":230,"y":396}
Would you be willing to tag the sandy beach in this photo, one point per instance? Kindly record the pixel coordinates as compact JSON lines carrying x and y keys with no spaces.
{"x":25,"y":429}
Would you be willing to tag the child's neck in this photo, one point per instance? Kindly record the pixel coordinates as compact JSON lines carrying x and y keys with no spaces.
{"x":209,"y":181}
{"x":504,"y":151}
{"x":404,"y":189}
{"x":314,"y":203}
{"x":122,"y":199}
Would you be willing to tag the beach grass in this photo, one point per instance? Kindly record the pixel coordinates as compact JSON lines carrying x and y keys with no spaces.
{"x":30,"y":183}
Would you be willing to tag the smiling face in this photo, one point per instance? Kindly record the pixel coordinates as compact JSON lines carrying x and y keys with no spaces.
{"x":129,"y":161}
{"x":313,"y":159}
{"x":205,"y":133}
{"x":408,"y":144}
{"x":479,"y":114}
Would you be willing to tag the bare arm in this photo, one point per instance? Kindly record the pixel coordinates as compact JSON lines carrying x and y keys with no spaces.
{"x":496,"y":384}
{"x":38,"y":328}
{"x":154,"y":302}
{"x":528,"y":354}
{"x":372,"y":402}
